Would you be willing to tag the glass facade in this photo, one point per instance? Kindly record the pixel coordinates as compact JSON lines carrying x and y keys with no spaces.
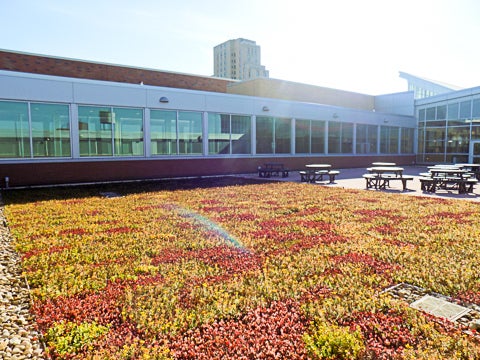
{"x":30,"y":130}
{"x":446,"y":129}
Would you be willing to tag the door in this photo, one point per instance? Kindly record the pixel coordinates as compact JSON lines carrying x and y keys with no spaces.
{"x":474,"y":152}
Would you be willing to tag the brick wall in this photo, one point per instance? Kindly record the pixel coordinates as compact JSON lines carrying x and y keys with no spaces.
{"x":38,"y":64}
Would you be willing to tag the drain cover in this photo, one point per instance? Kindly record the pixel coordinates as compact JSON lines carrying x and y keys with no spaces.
{"x":439,"y":307}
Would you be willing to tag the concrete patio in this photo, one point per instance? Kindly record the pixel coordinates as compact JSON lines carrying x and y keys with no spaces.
{"x":352,"y":179}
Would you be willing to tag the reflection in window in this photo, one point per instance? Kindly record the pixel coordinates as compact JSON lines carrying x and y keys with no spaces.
{"x":218,"y":134}
{"x":318,"y":137}
{"x":452,"y":112}
{"x":309,"y":137}
{"x":441,"y":112}
{"x":466,"y":109}
{"x":476,"y":109}
{"x":366,"y":139}
{"x":265,"y":143}
{"x":458,"y":139}
{"x":389,"y":139}
{"x":14,"y":130}
{"x":273,"y":135}
{"x":435,"y":140}
{"x":163,"y":132}
{"x":408,"y":136}
{"x":340,"y":138}
{"x":95,"y":126}
{"x":50,"y":130}
{"x":241,"y":134}
{"x":128,"y":131}
{"x":302,"y":136}
{"x":189,"y":132}
{"x":104,"y":131}
{"x":283,"y":136}
{"x":229,"y":134}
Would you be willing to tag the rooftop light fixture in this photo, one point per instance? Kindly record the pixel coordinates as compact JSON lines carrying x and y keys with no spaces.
{"x":164,"y":100}
{"x":265,"y":108}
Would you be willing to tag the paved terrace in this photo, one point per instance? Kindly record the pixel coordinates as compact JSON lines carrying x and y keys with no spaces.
{"x":352,"y":179}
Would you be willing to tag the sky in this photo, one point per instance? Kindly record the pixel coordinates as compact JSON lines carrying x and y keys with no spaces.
{"x":353,"y":45}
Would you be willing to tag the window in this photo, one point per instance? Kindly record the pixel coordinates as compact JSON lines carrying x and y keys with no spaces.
{"x":163,"y":132}
{"x":45,"y":133}
{"x":189,"y":132}
{"x":14,"y":130}
{"x":340,"y":138}
{"x":452,"y":113}
{"x":273,"y":135}
{"x":458,"y":139}
{"x":302,"y":136}
{"x":229,"y":134}
{"x":50,"y":130}
{"x":318,"y":137}
{"x":476,"y":109}
{"x":366,"y":139}
{"x":441,"y":112}
{"x":408,"y":136}
{"x":128,"y":132}
{"x":105,"y":131}
{"x":465,"y":110}
{"x":430,"y":114}
{"x":241,"y":134}
{"x":218,"y":134}
{"x":389,"y":139}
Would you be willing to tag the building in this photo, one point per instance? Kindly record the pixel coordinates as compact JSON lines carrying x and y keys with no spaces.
{"x":238,"y":59}
{"x":71,"y":121}
{"x":449,"y":127}
{"x":423,"y":88}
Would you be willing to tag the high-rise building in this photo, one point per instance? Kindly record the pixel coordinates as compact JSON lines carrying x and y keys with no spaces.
{"x":238,"y":59}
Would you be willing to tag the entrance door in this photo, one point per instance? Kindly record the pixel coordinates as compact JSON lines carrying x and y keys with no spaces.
{"x":474,"y":152}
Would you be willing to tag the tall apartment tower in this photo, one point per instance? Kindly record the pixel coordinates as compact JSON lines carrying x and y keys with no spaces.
{"x":238,"y":59}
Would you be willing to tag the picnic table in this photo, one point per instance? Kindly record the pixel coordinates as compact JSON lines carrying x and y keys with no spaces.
{"x":379,"y":177}
{"x":473,"y":168}
{"x":384,"y":164}
{"x":448,"y":178}
{"x":272,"y":169}
{"x":314,"y":173}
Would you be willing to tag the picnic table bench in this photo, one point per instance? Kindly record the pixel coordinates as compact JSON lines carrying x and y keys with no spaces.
{"x":314,"y":173}
{"x":382,"y":181}
{"x":447,"y":178}
{"x":379,"y":177}
{"x":272,"y":169}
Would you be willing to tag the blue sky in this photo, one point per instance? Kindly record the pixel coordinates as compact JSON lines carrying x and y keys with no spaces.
{"x":345,"y":44}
